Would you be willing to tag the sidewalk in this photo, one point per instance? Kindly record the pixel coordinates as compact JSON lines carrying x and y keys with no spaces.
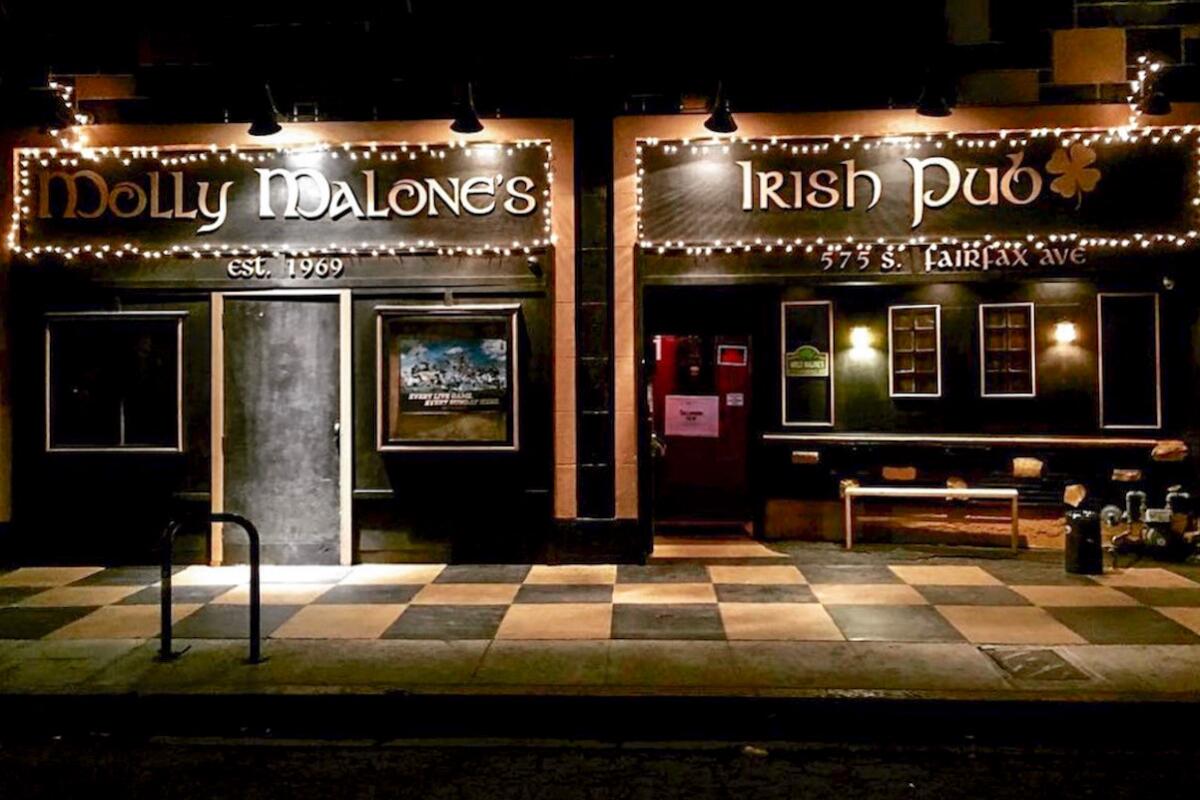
{"x":741,"y":620}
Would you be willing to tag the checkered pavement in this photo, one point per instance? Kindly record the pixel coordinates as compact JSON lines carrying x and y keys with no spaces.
{"x":990,"y":601}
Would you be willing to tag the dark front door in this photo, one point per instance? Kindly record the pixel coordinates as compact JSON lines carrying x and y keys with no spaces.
{"x":281,"y":426}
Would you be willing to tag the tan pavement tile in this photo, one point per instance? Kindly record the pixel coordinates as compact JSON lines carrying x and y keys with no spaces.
{"x":1187,"y":616}
{"x":80,"y":596}
{"x":46,"y":576}
{"x":664,"y":593}
{"x":572,"y":574}
{"x":1008,"y":625}
{"x":557,"y":621}
{"x":722,"y":550}
{"x":782,"y":621}
{"x":383,"y":574}
{"x":868,"y":594}
{"x":944,"y":575}
{"x":751,"y":574}
{"x":358,"y":621}
{"x":202,"y":575}
{"x":122,"y":622}
{"x":1156,"y":577}
{"x":1074,"y":596}
{"x":466,"y":594}
{"x":275,"y":594}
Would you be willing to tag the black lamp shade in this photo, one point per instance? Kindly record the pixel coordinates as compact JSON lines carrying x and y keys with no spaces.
{"x":466,"y":120}
{"x":1156,"y":105}
{"x":932,"y":103}
{"x":266,"y":116}
{"x":721,"y":119}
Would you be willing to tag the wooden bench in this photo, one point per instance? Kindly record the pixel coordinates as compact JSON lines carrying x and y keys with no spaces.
{"x":928,"y":493}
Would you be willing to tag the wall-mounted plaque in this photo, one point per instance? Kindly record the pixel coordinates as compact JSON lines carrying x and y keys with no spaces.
{"x":448,"y":378}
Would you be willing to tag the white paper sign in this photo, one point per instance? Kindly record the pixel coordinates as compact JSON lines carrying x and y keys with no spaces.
{"x":735,"y":399}
{"x":693,"y":415}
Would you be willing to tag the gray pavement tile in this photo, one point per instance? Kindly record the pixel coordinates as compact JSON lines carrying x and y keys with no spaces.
{"x":365,"y":663}
{"x":152,"y":595}
{"x":662,"y":573}
{"x":34,"y":623}
{"x":447,"y":622}
{"x":230,"y":621}
{"x":893,"y":624}
{"x":837,"y":573}
{"x":1162,"y":596}
{"x":866,"y":665}
{"x":125,"y":576}
{"x":11,"y":595}
{"x":655,"y":664}
{"x":662,"y":621}
{"x":544,"y":663}
{"x":381,"y":594}
{"x":972,"y":596}
{"x":764,"y":593}
{"x":564,"y":593}
{"x":62,"y":665}
{"x":483,"y":573}
{"x":1025,"y":573}
{"x":1123,"y":625}
{"x":1144,"y":668}
{"x":205,"y":664}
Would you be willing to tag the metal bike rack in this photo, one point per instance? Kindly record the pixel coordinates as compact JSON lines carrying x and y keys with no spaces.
{"x":166,"y":651}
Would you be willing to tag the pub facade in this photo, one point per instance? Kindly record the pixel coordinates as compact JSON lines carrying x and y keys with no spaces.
{"x":364,"y":336}
{"x":1001,"y":298}
{"x":349,"y":334}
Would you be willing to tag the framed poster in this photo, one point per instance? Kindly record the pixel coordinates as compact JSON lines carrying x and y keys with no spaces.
{"x":806,"y":371}
{"x":448,"y":378}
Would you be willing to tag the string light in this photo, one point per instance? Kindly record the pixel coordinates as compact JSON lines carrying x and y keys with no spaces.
{"x":29,"y":159}
{"x":1006,"y":139}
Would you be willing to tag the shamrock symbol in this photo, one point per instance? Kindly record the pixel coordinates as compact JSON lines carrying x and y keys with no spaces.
{"x":1074,"y":175}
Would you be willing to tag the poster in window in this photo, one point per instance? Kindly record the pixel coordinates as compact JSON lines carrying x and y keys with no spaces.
{"x":807,"y":368}
{"x":448,"y":378}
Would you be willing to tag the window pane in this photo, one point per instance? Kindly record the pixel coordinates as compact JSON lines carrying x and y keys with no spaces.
{"x":914,"y":354}
{"x":1007,"y":349}
{"x":114,"y":382}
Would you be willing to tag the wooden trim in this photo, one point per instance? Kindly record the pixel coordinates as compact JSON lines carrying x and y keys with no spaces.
{"x":346,"y":427}
{"x":829,"y":423}
{"x":216,"y":543}
{"x":937,"y":346}
{"x":179,"y":317}
{"x":938,"y":440}
{"x":983,"y":392}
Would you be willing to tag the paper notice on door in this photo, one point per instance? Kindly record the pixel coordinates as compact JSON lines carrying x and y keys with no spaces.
{"x":693,"y":415}
{"x":735,"y":399}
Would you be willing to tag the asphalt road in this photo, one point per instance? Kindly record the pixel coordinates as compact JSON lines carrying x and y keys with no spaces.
{"x":107,"y":766}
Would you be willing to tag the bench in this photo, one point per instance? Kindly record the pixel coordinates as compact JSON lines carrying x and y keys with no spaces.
{"x":928,"y":493}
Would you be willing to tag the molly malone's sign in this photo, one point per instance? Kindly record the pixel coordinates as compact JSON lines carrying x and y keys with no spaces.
{"x":1029,"y":189}
{"x":341,"y":199}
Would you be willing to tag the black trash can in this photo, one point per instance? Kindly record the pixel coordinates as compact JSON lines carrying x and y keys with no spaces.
{"x":1083,"y":554}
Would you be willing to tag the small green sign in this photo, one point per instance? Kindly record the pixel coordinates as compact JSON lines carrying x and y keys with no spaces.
{"x":807,"y":361}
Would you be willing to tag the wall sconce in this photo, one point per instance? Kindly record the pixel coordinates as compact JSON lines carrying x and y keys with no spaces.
{"x":861,"y":338}
{"x":1065,"y":332}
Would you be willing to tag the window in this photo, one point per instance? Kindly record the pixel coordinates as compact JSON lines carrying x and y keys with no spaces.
{"x":448,"y":378}
{"x":114,"y":381}
{"x":1006,"y":350}
{"x":806,"y":341}
{"x":914,"y":350}
{"x":1130,"y":360}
